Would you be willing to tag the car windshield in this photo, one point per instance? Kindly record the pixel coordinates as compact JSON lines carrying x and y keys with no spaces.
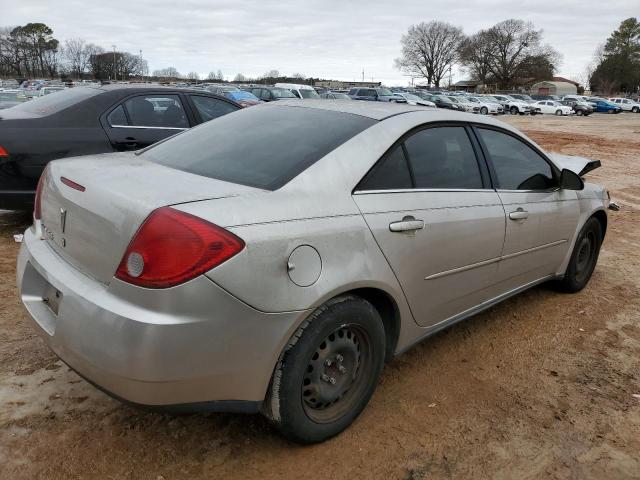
{"x":308,"y":93}
{"x":473,"y":99}
{"x":282,"y":143}
{"x":282,"y":93}
{"x":455,"y":100}
{"x":384,"y":92}
{"x":50,"y":104}
{"x":341,"y":96}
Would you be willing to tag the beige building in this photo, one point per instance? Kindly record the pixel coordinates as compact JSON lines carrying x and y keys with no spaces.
{"x":340,"y":85}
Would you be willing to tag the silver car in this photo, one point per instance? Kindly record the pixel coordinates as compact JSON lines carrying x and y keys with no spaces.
{"x":273,"y":259}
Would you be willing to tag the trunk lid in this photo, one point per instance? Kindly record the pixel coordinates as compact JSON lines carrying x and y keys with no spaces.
{"x":91,"y":229}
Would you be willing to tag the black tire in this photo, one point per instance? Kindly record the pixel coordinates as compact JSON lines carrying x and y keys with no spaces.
{"x":484,"y":110}
{"x":579,"y":113}
{"x":635,"y":109}
{"x":328,"y":372}
{"x":558,"y":112}
{"x":513,"y":110}
{"x":583,"y":258}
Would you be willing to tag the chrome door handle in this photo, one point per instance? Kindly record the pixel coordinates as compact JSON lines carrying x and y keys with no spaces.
{"x":407,"y":224}
{"x":519,"y":214}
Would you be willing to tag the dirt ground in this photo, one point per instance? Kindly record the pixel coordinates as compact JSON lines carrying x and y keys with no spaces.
{"x":540,"y":386}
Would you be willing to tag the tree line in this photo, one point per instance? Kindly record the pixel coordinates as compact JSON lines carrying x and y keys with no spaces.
{"x":512,"y":52}
{"x":31,"y":51}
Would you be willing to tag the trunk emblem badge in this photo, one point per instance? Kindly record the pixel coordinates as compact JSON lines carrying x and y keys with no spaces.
{"x":63,"y":219}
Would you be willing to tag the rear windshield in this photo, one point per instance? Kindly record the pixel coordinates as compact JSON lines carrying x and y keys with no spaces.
{"x":49,"y":104}
{"x":306,"y":93}
{"x":264,"y":146}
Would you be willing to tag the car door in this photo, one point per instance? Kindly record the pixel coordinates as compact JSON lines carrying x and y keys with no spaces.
{"x":438,"y":222}
{"x":207,"y":108}
{"x":144,"y":119}
{"x":541,"y":219}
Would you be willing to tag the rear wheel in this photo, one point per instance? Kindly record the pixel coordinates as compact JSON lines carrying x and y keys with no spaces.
{"x":579,"y":113}
{"x":583,"y":258}
{"x":635,"y":109}
{"x":329,"y":371}
{"x":513,"y":110}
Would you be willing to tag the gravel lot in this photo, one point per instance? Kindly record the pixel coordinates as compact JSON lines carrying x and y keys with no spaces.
{"x":540,"y":386}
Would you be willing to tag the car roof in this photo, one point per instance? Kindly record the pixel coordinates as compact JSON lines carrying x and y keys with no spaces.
{"x":383,"y":110}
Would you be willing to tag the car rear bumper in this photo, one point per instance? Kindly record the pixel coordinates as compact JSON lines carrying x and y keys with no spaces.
{"x":187,"y":345}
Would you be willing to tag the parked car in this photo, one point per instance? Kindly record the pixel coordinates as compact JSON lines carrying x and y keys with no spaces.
{"x":10,"y":98}
{"x":180,"y":275}
{"x":271,"y":94}
{"x":412,"y":99}
{"x":552,"y":107}
{"x":513,"y":105}
{"x":88,"y":120}
{"x":374,"y":95}
{"x":49,"y":90}
{"x":626,"y":104}
{"x":485,"y":108}
{"x":242,"y":98}
{"x":443,"y":101}
{"x":467,"y":106}
{"x":300,"y":91}
{"x":334,"y":96}
{"x":580,"y":108}
{"x":604,"y":106}
{"x":522,"y":97}
{"x":538,"y":97}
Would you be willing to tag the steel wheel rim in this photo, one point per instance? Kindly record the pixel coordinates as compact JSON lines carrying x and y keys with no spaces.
{"x":585,"y":256}
{"x":337,"y":374}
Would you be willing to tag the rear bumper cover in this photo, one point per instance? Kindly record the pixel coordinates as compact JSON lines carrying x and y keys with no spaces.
{"x":193,"y":345}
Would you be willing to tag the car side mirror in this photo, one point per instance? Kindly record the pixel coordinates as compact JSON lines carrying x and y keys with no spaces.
{"x":570,"y":180}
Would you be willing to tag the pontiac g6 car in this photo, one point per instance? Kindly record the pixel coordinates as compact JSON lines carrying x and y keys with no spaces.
{"x":276,"y":272}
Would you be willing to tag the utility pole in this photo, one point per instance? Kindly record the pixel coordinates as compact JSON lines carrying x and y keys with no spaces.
{"x":115,"y":71}
{"x":141,"y":67}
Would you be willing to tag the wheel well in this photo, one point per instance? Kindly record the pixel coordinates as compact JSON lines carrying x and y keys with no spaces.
{"x":602,"y":218}
{"x":388,"y":310}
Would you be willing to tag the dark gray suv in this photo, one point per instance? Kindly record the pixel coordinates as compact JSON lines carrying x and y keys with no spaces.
{"x":375,"y":95}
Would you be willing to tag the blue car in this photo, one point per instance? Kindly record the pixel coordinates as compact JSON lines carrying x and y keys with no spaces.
{"x":604,"y":106}
{"x":244,"y":98}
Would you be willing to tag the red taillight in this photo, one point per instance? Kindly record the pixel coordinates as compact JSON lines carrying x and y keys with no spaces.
{"x":72,"y":184}
{"x":3,"y":152}
{"x":37,"y":205}
{"x":172,"y":247}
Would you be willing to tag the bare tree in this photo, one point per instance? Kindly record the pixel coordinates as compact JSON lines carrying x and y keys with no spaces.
{"x":193,"y":76}
{"x":429,"y":50}
{"x":77,"y":53}
{"x":475,"y":55}
{"x":239,"y":78}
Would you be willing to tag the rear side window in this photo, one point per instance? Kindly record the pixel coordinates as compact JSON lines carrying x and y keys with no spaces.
{"x":262,"y":147}
{"x":392,"y":173}
{"x":443,"y":157}
{"x":117,"y":117}
{"x":156,"y":111}
{"x":516,"y":164}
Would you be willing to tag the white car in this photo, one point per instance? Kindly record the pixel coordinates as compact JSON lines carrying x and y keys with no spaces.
{"x":484,"y":107}
{"x":414,"y":99}
{"x":550,"y":106}
{"x":300,"y":91}
{"x":513,"y":105}
{"x":626,"y":104}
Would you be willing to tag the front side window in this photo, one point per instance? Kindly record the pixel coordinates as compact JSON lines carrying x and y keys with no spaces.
{"x":210,"y":108}
{"x":443,"y":157}
{"x":516,"y":164}
{"x":164,"y":111}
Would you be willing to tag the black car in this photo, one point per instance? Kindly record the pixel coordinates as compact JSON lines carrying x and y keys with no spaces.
{"x":441,"y":101}
{"x":89,"y":120}
{"x":580,"y":108}
{"x":270,"y":94}
{"x":375,"y":95}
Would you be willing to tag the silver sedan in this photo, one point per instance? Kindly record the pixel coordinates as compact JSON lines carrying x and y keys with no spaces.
{"x":273,"y":259}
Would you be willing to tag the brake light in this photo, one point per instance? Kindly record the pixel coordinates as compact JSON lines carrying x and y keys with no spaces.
{"x":37,"y":205}
{"x":172,"y":247}
{"x":3,"y":152}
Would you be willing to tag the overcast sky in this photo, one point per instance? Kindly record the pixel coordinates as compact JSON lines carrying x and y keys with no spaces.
{"x":329,"y":39}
